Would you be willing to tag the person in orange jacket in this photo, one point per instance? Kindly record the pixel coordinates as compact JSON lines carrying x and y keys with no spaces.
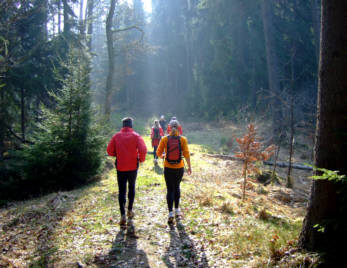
{"x":168,"y":131}
{"x":174,"y":147}
{"x":156,"y":134}
{"x":129,"y":149}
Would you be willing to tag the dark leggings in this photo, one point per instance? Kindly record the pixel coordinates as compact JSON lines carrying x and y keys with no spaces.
{"x":123,"y":177}
{"x":155,"y":152}
{"x":173,"y":178}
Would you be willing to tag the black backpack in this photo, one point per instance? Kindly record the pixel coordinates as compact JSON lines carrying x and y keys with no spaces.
{"x":156,"y":133}
{"x":174,"y":150}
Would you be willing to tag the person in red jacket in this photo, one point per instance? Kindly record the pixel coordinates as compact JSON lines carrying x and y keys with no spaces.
{"x":129,"y":149}
{"x":168,"y":131}
{"x":156,"y":134}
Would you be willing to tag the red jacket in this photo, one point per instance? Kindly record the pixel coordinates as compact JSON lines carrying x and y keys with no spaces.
{"x":155,"y":142}
{"x":128,"y":147}
{"x":179,"y":129}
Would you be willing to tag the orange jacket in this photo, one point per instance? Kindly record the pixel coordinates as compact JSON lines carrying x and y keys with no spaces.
{"x":163,"y":147}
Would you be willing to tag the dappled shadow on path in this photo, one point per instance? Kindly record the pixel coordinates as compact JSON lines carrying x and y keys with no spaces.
{"x":124,"y":251}
{"x":29,"y":229}
{"x":182,"y":252}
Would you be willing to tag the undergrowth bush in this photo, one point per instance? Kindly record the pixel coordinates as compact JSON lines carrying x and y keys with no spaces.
{"x":11,"y":177}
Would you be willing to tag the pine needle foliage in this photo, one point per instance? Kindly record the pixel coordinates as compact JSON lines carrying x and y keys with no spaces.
{"x":250,"y":152}
{"x":67,"y":148}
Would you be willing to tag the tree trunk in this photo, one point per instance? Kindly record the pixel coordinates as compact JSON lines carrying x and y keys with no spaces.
{"x":291,"y":144}
{"x":81,"y":10}
{"x":81,"y":22}
{"x":291,"y":119}
{"x":53,"y":23}
{"x":244,"y":180}
{"x":110,"y":53}
{"x":90,"y":8}
{"x":2,"y":123}
{"x":59,"y":18}
{"x":188,"y":41}
{"x":330,"y":145}
{"x":22,"y":106}
{"x":127,"y":85}
{"x":275,"y":163}
{"x":272,"y":68}
{"x":66,"y":17}
{"x":70,"y":114}
{"x":273,"y":174}
{"x":44,"y":7}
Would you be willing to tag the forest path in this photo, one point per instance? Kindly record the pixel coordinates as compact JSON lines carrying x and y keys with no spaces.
{"x":80,"y":228}
{"x":148,"y":241}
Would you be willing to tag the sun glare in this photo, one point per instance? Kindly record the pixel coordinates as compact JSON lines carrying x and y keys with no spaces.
{"x":147,"y":5}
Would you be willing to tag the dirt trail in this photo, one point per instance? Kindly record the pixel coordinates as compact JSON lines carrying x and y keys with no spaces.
{"x":148,"y":241}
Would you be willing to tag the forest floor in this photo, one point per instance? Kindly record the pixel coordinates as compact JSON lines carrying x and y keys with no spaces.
{"x":80,"y":228}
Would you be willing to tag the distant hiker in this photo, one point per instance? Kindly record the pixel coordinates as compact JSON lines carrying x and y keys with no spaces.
{"x":129,"y":149}
{"x":156,"y":134}
{"x":162,"y":122}
{"x":168,"y":131}
{"x":174,"y":147}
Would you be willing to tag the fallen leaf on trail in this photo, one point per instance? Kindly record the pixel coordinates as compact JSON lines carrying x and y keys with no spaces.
{"x":236,"y":256}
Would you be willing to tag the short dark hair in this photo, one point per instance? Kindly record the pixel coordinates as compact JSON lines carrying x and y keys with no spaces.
{"x":127,"y":122}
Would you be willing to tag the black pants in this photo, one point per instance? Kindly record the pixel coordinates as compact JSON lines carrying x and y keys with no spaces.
{"x":173,"y":178}
{"x":155,"y":152}
{"x":124,"y":177}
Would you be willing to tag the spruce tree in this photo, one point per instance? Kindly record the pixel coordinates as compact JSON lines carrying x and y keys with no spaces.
{"x":67,"y":152}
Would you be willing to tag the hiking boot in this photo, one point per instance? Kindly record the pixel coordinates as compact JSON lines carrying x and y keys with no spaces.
{"x":170,"y":221}
{"x":178,"y":217}
{"x":123,"y":221}
{"x":178,"y":213}
{"x":130,"y":214}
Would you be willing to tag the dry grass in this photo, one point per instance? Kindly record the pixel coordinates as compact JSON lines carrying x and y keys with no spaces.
{"x":227,"y":208}
{"x":205,"y":199}
{"x":240,"y":231}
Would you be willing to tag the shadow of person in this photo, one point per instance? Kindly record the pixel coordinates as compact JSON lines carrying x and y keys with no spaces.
{"x":182,"y":252}
{"x":124,"y":251}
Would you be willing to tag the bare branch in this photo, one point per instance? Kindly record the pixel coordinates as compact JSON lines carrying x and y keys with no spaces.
{"x":128,"y":28}
{"x":131,"y":28}
{"x":17,"y":137}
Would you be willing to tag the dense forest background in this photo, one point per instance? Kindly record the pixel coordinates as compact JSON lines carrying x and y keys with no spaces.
{"x":71,"y":69}
{"x":201,"y":60}
{"x":211,"y":59}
